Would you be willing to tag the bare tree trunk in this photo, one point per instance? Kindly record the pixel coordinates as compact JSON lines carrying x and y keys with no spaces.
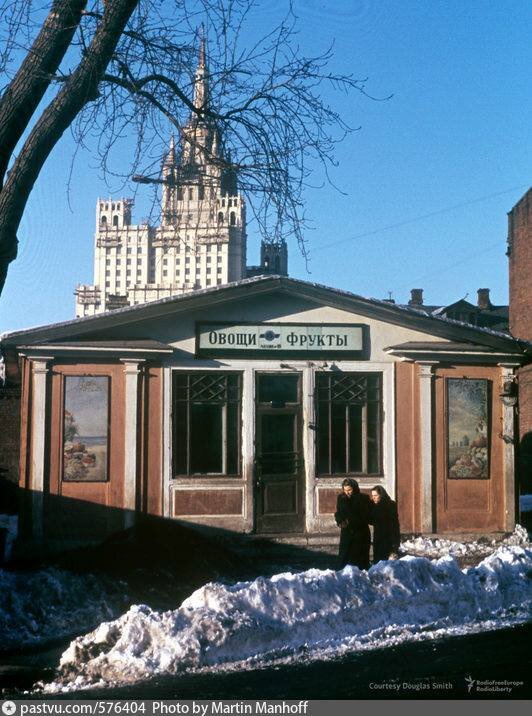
{"x":79,"y":89}
{"x":26,"y":89}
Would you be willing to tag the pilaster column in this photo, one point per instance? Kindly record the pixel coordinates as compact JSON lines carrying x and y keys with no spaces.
{"x":508,"y":437}
{"x":132,"y":370}
{"x":426,"y":438}
{"x":38,"y":442}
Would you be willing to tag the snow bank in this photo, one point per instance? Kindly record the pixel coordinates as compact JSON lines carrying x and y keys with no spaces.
{"x":439,"y":547}
{"x":307,"y":615}
{"x":49,"y":604}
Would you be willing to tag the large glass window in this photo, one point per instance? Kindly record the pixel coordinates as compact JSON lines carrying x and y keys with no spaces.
{"x":206,"y":423}
{"x":349,"y":418}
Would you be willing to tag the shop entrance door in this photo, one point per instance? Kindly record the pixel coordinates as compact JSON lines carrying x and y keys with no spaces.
{"x":278,"y":462}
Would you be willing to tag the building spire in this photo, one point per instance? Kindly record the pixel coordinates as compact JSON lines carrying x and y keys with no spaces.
{"x":170,"y":158}
{"x":201,"y":84}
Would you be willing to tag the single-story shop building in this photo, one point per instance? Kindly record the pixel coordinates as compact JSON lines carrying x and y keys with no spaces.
{"x":244,"y":406}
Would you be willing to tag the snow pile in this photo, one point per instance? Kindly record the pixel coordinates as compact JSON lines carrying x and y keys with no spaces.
{"x":439,"y":547}
{"x":52,"y":603}
{"x":308,"y":615}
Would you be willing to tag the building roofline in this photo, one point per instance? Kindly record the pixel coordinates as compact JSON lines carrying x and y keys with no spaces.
{"x":393,"y":313}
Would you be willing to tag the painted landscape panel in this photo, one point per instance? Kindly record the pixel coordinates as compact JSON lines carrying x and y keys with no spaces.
{"x":467,"y":434}
{"x":85,"y":428}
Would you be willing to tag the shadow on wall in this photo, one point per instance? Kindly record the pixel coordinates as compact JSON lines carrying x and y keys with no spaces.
{"x":86,"y":537}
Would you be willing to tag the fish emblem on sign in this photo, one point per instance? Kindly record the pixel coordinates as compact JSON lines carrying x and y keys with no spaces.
{"x":271,"y":340}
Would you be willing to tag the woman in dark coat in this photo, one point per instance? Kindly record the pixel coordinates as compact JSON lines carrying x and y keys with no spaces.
{"x":385,"y":521}
{"x":352,"y":516}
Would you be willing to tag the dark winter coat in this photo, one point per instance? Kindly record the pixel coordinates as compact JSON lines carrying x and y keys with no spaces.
{"x":355,"y":538}
{"x":386,"y":534}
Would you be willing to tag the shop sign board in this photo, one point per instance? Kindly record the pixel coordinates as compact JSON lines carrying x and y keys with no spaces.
{"x":296,"y":339}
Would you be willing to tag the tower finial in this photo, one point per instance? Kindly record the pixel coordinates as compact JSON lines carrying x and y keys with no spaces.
{"x":170,"y":158}
{"x":201,"y":58}
{"x":201,"y":88}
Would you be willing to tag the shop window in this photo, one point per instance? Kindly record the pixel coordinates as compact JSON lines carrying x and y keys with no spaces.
{"x":85,"y":428}
{"x":206,"y":429}
{"x":349,"y":420}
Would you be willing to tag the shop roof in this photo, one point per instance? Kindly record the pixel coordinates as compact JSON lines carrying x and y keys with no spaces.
{"x":88,"y":327}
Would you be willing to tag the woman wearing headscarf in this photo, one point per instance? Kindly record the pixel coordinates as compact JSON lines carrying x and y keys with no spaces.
{"x":352,"y":516}
{"x":385,"y":521}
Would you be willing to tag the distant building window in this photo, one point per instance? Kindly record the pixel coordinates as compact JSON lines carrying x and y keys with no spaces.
{"x":128,"y":262}
{"x":208,"y":270}
{"x":107,"y":251}
{"x":165,"y":262}
{"x":103,"y":220}
{"x":139,"y":262}
{"x":209,"y":259}
{"x":220,"y":217}
{"x":118,"y":262}
{"x":232,"y":218}
{"x":218,"y":269}
{"x":187,"y":260}
{"x":140,"y":249}
{"x":115,"y":220}
{"x":178,"y":261}
{"x":107,"y":284}
{"x":107,"y":262}
{"x":219,"y":259}
{"x":118,"y":272}
{"x":129,"y":249}
{"x":165,"y":273}
{"x":190,"y":193}
{"x":208,"y":282}
{"x":187,"y":272}
{"x":107,"y":273}
{"x":206,"y":433}
{"x":128,"y":273}
{"x":201,"y":192}
{"x":209,"y":248}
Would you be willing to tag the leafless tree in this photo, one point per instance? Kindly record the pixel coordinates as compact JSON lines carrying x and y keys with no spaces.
{"x":123,"y":70}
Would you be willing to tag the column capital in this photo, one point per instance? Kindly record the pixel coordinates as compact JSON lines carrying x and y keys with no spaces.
{"x":426,"y":368}
{"x":40,"y":363}
{"x":132,"y":366}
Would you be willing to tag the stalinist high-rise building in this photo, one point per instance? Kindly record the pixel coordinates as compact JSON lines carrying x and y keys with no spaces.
{"x":201,"y":240}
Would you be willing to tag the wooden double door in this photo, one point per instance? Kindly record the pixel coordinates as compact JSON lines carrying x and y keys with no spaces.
{"x":279,"y":464}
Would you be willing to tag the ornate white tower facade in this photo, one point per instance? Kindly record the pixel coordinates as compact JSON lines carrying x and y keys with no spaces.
{"x":201,"y":240}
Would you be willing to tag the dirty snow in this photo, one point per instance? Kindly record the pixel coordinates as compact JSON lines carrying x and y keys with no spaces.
{"x":313,"y":614}
{"x":440,"y":547}
{"x":37,"y":606}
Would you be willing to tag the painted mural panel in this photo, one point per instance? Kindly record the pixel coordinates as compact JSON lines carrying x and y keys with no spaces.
{"x":467,"y":434}
{"x":86,"y":428}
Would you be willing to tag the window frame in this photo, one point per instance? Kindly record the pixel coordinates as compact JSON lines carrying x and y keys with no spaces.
{"x":189,"y":475}
{"x":380,"y":434}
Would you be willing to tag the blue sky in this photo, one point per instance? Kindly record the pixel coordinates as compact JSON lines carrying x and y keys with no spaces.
{"x":426,"y":183}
